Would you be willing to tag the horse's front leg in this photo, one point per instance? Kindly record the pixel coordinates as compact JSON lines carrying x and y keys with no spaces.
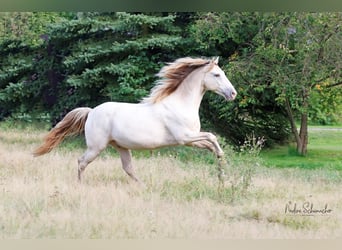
{"x":203,"y":140}
{"x":209,"y":141}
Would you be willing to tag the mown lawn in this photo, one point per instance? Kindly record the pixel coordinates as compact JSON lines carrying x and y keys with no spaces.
{"x":324,"y":151}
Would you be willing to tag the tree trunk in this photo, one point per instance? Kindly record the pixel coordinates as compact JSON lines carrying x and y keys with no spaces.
{"x":292,"y":122}
{"x":301,"y":137}
{"x":302,"y":147}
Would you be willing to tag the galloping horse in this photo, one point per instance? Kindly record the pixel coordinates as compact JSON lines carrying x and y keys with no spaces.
{"x":167,"y":117}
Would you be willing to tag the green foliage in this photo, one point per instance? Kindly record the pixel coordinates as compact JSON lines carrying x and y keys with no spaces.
{"x":278,"y":60}
{"x":54,"y":62}
{"x":221,"y":33}
{"x":85,"y":61}
{"x":26,"y":27}
{"x":326,"y":104}
{"x":21,"y":49}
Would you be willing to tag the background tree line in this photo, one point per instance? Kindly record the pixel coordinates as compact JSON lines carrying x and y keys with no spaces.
{"x":285,"y":66}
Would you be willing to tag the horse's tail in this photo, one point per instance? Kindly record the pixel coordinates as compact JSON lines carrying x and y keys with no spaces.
{"x":73,"y":123}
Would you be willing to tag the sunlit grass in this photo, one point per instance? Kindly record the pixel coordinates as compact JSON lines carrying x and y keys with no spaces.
{"x":41,"y":198}
{"x":324,"y":151}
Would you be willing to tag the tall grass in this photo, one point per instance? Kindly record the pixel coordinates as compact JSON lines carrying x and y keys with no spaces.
{"x":41,"y":198}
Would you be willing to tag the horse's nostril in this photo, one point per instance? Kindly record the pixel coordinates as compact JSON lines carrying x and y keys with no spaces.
{"x":234,"y":94}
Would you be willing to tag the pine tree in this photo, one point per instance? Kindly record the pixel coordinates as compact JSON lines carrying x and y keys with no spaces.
{"x":95,"y":57}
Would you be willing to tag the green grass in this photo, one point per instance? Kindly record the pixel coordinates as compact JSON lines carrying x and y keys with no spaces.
{"x":324,"y":151}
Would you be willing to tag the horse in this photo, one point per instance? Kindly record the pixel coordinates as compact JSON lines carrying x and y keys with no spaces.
{"x":169,"y":116}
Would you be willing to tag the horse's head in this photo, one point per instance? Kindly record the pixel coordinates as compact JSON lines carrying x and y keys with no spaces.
{"x":215,"y":80}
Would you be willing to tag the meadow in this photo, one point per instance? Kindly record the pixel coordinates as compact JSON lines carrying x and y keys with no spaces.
{"x":324,"y":151}
{"x":40,"y":198}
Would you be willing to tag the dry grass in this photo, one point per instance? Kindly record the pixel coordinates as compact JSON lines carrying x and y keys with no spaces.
{"x":41,"y":198}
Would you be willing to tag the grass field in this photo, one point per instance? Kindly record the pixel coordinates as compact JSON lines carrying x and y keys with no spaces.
{"x":41,"y":198}
{"x":324,"y":151}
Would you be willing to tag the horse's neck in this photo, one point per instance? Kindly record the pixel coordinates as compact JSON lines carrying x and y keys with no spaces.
{"x":190,"y":92}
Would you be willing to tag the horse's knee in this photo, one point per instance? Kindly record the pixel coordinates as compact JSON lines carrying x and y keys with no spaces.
{"x":212,"y":138}
{"x":220,"y":154}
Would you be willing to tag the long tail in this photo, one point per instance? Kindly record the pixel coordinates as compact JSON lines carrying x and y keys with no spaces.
{"x":73,"y":123}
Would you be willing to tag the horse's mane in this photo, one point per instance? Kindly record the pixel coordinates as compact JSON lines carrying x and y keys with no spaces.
{"x":172,"y":75}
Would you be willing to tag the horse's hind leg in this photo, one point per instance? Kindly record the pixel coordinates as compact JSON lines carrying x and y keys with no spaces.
{"x":126,"y":160}
{"x":85,"y":159}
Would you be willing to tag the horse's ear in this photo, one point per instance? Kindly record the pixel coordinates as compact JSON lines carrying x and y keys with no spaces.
{"x":216,"y":60}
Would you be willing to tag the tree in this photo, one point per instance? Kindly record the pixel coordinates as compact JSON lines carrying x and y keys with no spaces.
{"x":230,"y":35}
{"x":27,"y":26}
{"x":291,"y":55}
{"x":278,"y":62}
{"x":285,"y":66}
{"x":89,"y":58}
{"x":21,"y":47}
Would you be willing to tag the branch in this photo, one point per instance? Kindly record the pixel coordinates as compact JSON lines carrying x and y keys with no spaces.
{"x":328,"y":86}
{"x":325,"y":39}
{"x":334,"y":85}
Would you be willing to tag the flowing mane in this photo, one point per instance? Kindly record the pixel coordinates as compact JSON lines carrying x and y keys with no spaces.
{"x":172,"y":75}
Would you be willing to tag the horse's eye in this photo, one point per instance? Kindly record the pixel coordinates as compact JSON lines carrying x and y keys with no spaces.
{"x":217,"y":75}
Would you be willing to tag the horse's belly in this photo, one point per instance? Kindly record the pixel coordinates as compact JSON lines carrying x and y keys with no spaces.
{"x":140,"y":129}
{"x":140,"y":137}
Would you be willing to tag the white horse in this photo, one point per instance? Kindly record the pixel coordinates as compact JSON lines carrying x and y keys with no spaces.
{"x":169,"y":116}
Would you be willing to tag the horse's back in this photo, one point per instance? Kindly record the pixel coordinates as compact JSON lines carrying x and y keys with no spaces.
{"x":134,"y":126}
